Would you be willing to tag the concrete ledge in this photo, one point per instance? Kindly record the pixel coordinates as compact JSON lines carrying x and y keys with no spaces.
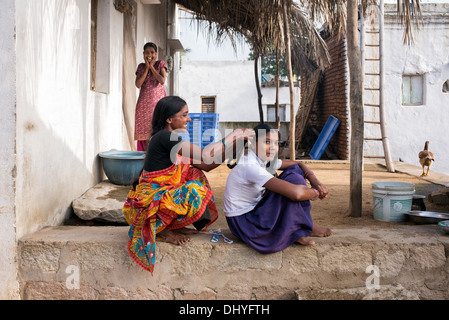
{"x":412,"y":262}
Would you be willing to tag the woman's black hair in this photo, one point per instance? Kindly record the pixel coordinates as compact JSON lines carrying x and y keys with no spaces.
{"x":261,"y":130}
{"x":166,"y":107}
{"x":150,"y":44}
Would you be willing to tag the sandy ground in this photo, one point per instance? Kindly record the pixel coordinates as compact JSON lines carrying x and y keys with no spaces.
{"x":331,"y":212}
{"x":334,"y":211}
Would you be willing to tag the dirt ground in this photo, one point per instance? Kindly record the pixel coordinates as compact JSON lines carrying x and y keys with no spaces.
{"x":331,"y":212}
{"x":334,"y":210}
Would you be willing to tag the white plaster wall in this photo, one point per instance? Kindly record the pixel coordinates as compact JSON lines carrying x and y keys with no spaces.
{"x":232,"y":82}
{"x":53,"y":125}
{"x":409,"y":127}
{"x":269,"y":97}
{"x":61,"y":124}
{"x":8,"y":264}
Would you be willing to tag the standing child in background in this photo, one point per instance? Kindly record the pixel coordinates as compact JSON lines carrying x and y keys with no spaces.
{"x":270,"y":222}
{"x":150,"y":79}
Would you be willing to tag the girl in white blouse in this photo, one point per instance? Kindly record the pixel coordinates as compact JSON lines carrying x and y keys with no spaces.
{"x":270,"y":213}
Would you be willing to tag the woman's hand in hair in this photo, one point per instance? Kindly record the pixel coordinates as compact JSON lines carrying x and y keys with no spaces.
{"x":243,"y":133}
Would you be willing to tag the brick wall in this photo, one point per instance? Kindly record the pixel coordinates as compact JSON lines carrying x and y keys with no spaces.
{"x":332,"y":99}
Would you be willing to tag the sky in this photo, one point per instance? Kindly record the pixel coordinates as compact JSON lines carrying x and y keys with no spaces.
{"x":203,"y":50}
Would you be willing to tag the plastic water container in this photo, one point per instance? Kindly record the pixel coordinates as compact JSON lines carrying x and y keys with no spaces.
{"x":391,"y":200}
{"x":324,"y":138}
{"x":122,"y":167}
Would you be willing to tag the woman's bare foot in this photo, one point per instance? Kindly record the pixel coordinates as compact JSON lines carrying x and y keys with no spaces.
{"x":185,"y":231}
{"x":172,"y":237}
{"x":305,"y":241}
{"x":319,"y":231}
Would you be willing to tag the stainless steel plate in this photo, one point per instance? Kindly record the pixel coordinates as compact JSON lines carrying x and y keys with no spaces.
{"x":427,"y":217}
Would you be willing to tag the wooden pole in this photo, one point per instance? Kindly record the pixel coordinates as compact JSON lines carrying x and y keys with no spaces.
{"x":292,"y":144}
{"x":278,"y":120}
{"x":383,"y":121}
{"x":362,"y":58}
{"x":356,"y":108}
{"x":259,"y":92}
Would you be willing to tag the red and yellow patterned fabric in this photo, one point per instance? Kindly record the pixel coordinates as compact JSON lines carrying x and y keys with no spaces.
{"x":168,"y":199}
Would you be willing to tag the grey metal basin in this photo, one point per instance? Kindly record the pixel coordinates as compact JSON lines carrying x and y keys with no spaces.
{"x":427,"y":217}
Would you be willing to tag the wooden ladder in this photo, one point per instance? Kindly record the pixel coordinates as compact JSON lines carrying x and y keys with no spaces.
{"x":372,"y":62}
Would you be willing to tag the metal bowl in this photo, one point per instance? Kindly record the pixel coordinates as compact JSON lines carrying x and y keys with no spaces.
{"x":444,"y":225}
{"x":427,"y":217}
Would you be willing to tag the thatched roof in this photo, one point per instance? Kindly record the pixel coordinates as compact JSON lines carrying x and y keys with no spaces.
{"x":261,"y":23}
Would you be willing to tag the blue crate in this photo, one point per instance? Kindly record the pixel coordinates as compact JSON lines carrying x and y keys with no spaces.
{"x":202,"y":129}
{"x":209,"y":128}
{"x":324,"y":138}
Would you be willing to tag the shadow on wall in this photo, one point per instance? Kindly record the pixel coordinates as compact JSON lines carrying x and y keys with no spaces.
{"x":58,"y":117}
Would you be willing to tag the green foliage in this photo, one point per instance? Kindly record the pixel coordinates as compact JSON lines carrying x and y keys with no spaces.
{"x":268,"y":63}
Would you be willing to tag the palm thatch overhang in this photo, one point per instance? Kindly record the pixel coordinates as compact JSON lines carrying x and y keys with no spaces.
{"x":261,"y":24}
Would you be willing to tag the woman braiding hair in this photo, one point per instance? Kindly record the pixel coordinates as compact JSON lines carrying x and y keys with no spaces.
{"x":173,"y":191}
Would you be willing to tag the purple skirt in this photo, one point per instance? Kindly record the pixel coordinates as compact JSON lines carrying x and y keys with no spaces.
{"x":276,"y":222}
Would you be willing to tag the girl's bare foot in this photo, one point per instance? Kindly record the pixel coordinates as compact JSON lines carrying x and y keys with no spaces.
{"x":173,"y":237}
{"x":305,"y":241}
{"x":319,"y":231}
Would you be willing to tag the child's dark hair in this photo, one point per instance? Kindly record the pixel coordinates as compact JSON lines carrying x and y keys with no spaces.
{"x":166,"y":107}
{"x":261,"y":130}
{"x":151,"y":45}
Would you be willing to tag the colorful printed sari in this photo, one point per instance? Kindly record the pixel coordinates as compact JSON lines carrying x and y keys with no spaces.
{"x":168,"y":199}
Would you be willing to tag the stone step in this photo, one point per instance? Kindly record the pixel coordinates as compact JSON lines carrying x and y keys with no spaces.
{"x":103,"y":202}
{"x":73,"y":262}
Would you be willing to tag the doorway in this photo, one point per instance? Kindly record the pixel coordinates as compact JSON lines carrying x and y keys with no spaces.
{"x":129,"y":69}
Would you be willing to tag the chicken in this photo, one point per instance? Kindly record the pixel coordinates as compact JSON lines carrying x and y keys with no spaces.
{"x":425,"y":159}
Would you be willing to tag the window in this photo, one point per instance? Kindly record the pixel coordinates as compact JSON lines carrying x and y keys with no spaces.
{"x":100,"y":45}
{"x":208,"y":104}
{"x":412,"y":90}
{"x":271,"y":112}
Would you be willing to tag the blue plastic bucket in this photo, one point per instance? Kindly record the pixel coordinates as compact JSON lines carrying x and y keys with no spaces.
{"x":391,"y":200}
{"x":122,"y":167}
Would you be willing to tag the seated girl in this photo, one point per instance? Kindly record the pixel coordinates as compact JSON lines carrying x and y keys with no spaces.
{"x":172,"y":191}
{"x":271,"y":221}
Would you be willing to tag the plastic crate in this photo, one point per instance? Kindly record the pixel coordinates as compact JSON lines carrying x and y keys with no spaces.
{"x":324,"y":138}
{"x":202,"y":129}
{"x":209,"y":128}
